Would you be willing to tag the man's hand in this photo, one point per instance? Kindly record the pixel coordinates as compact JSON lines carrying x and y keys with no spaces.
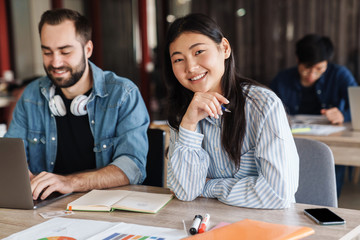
{"x":333,"y":115}
{"x":45,"y":183}
{"x":31,"y":176}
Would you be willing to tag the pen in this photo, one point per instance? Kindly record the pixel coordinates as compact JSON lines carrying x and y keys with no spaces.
{"x":225,"y":109}
{"x":204,"y":223}
{"x":195,"y":225}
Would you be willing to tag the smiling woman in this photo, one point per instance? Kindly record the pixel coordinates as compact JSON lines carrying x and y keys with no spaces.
{"x":237,"y":156}
{"x":198,"y":62}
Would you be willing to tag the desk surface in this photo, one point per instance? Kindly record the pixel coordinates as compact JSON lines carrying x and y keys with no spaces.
{"x":171,"y":216}
{"x":345,"y":145}
{"x":346,"y":138}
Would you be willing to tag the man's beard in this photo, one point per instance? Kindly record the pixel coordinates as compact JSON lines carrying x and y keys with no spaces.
{"x":75,"y":74}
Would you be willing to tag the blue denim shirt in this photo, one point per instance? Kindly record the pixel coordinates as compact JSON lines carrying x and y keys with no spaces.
{"x":331,"y":89}
{"x":118,"y":120}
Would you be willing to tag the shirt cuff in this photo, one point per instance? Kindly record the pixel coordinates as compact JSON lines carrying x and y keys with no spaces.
{"x":189,"y":138}
{"x":210,"y":188}
{"x":130,"y":169}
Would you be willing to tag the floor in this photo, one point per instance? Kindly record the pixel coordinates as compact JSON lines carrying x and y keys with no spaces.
{"x":350,"y":195}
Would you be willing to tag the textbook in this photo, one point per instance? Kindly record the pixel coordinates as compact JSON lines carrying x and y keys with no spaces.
{"x":250,"y":229}
{"x":109,"y":200}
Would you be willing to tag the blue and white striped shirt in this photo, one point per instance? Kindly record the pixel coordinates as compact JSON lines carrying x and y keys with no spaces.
{"x":269,"y":168}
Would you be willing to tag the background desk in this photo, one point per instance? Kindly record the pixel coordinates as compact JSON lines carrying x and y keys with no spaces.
{"x":171,"y":216}
{"x":345,"y":146}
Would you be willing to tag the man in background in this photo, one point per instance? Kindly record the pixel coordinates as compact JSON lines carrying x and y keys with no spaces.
{"x":83,"y":128}
{"x":316,"y":86}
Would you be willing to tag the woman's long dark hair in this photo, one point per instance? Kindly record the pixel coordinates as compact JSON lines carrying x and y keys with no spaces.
{"x":232,"y":85}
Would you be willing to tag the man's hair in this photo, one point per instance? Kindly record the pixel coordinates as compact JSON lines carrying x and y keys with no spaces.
{"x":59,"y":15}
{"x":313,"y":48}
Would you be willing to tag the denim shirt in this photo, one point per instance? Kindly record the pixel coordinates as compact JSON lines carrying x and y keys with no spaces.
{"x":331,"y":89}
{"x":118,"y":120}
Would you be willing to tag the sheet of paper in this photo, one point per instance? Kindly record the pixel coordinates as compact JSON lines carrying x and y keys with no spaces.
{"x":54,"y":214}
{"x":134,"y":231}
{"x":316,"y":129}
{"x":67,"y":227}
{"x":90,"y":229}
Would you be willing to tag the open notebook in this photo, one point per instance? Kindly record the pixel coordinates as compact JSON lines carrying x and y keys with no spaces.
{"x":109,"y":200}
{"x":14,"y":177}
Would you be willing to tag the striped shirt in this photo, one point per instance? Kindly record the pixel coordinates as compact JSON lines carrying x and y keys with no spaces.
{"x":269,"y":168}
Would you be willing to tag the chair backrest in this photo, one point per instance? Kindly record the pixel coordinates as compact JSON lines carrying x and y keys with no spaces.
{"x":155,"y":158}
{"x":317,"y":184}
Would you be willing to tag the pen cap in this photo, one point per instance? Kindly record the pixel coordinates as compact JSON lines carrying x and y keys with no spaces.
{"x":195,"y":225}
{"x":204,"y":223}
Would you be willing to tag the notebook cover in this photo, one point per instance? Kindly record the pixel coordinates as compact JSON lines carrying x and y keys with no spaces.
{"x":251,"y":229}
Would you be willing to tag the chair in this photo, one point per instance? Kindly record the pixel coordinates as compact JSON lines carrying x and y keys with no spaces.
{"x":317,"y":184}
{"x":155,"y":158}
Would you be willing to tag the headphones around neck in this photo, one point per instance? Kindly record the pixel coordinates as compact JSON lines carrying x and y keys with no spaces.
{"x":77,"y":106}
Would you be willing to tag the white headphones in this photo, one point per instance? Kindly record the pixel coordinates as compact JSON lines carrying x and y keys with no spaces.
{"x":77,"y":107}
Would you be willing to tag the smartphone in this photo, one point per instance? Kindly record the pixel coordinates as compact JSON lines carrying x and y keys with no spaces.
{"x":324,"y":216}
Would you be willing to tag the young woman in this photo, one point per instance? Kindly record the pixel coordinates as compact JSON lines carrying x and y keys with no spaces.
{"x":246,"y":157}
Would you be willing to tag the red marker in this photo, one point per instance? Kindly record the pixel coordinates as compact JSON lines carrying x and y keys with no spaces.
{"x":204,"y":223}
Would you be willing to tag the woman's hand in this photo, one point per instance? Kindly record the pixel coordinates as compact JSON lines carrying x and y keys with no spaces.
{"x":201,"y":106}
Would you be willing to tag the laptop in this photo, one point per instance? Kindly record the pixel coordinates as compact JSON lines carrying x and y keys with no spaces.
{"x":15,"y":188}
{"x":354,"y":97}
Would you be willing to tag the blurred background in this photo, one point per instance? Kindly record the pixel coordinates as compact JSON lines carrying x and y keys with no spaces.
{"x":128,"y":37}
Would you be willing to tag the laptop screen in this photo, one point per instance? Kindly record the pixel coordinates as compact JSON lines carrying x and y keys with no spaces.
{"x":15,"y":185}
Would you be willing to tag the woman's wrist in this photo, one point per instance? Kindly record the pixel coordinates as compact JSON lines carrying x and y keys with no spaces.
{"x":188,"y":126}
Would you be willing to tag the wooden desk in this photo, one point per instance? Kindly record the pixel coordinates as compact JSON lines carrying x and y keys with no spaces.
{"x":171,"y":216}
{"x":345,"y":145}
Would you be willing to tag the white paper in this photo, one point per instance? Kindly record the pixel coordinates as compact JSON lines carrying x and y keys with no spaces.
{"x":139,"y":231}
{"x":317,"y":129}
{"x":68,"y":227}
{"x":90,"y":229}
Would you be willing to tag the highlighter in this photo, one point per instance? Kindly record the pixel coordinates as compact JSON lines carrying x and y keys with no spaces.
{"x":195,"y":225}
{"x":300,"y":130}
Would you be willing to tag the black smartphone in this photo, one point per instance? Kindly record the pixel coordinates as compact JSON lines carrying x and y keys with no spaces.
{"x":324,"y":216}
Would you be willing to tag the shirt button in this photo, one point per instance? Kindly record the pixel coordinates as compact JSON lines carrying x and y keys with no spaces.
{"x":52,"y":163}
{"x":319,"y":91}
{"x":35,"y":139}
{"x":53,"y":138}
{"x":104,"y":146}
{"x":52,"y":115}
{"x":216,"y":149}
{"x":92,"y":122}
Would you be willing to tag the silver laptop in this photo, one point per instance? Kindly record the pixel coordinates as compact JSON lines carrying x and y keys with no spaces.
{"x":354,"y":97}
{"x":15,"y":188}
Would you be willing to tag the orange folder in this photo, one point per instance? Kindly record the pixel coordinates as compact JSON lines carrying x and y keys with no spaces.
{"x":251,"y":229}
